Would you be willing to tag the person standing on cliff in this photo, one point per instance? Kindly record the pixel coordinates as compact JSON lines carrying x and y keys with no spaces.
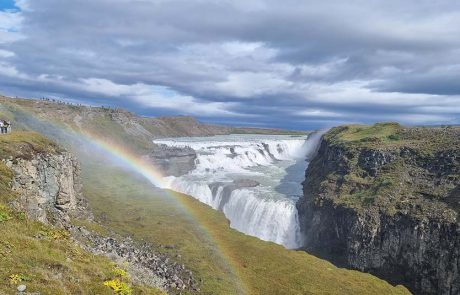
{"x":2,"y":127}
{"x":7,"y":126}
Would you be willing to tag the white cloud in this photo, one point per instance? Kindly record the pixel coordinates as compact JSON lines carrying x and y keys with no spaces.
{"x":10,"y":25}
{"x":6,"y":53}
{"x":318,"y":113}
{"x":248,"y":84}
{"x":158,"y":97}
{"x":11,"y":71}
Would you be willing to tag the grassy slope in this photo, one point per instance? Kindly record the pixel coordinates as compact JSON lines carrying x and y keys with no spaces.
{"x":398,"y":182}
{"x":364,"y":134}
{"x":392,"y":135}
{"x":129,"y":205}
{"x":48,"y":260}
{"x":25,"y":144}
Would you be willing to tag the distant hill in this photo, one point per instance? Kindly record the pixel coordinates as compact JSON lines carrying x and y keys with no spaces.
{"x":118,"y":124}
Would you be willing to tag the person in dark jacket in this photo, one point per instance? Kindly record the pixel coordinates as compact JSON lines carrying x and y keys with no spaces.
{"x":6,"y":125}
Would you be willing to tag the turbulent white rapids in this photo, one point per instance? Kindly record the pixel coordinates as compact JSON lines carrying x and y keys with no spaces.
{"x":255,"y":180}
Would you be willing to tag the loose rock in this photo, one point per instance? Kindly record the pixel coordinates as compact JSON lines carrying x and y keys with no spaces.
{"x":21,"y":288}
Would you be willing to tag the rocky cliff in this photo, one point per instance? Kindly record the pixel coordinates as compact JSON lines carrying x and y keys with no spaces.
{"x":45,"y":178}
{"x":384,"y":199}
{"x":48,"y":186}
{"x":174,"y":161}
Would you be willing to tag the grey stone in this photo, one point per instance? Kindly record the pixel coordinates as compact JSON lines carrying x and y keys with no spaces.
{"x":175,"y":161}
{"x":49,"y":186}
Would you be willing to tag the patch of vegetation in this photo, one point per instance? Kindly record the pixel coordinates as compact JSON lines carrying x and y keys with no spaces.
{"x":378,"y":133}
{"x":25,"y":144}
{"x":91,"y":226}
{"x":119,"y":284}
{"x":119,"y":287}
{"x":6,"y":195}
{"x":18,"y":278}
{"x":4,"y":213}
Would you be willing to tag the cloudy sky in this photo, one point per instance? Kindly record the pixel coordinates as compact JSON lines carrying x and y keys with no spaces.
{"x":291,"y":63}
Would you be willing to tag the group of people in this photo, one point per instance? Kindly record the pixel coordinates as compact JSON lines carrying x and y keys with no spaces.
{"x":5,"y":126}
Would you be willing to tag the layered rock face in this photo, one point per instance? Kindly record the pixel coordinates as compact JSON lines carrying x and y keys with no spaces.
{"x":388,"y":207}
{"x":175,"y":161}
{"x":49,"y":187}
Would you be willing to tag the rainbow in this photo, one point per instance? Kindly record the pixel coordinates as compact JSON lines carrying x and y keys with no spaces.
{"x":150,"y":172}
{"x":138,"y":165}
{"x":128,"y":158}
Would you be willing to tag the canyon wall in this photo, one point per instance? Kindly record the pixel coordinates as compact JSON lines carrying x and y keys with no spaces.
{"x":384,"y":199}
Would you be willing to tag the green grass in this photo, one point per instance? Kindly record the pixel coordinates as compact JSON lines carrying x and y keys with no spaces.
{"x":379,"y":133}
{"x":103,"y":126}
{"x":227,"y":261}
{"x":25,"y":144}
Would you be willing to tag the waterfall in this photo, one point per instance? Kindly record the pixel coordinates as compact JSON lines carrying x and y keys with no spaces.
{"x":244,"y":177}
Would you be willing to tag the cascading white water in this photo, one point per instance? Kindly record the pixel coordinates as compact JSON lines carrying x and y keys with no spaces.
{"x":255,"y":180}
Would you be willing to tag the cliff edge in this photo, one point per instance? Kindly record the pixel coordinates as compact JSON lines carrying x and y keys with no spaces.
{"x":385,"y":199}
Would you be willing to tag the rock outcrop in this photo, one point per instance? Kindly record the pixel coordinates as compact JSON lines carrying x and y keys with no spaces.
{"x":49,"y":187}
{"x":388,"y":207}
{"x":175,"y":161}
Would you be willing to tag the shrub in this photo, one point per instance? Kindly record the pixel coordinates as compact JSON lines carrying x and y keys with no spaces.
{"x":4,"y":215}
{"x":394,"y":137}
{"x":17,"y":278}
{"x":54,"y":233}
{"x":119,"y":272}
{"x":119,"y":287}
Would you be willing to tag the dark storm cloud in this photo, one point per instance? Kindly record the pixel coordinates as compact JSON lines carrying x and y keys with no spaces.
{"x":298,"y":64}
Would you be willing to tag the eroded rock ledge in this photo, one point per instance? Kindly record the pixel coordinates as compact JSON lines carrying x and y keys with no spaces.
{"x":49,"y":187}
